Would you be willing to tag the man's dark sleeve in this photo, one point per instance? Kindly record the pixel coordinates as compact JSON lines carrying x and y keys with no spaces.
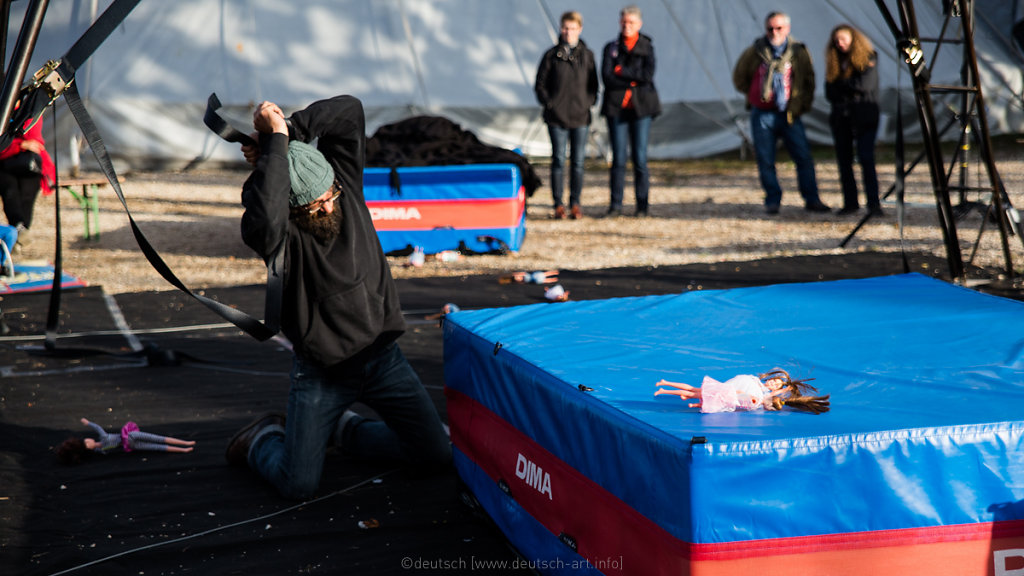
{"x":540,"y":84}
{"x":808,"y":81}
{"x":742,"y":75}
{"x":265,"y":197}
{"x":612,"y":81}
{"x":592,"y":86}
{"x":639,"y":70}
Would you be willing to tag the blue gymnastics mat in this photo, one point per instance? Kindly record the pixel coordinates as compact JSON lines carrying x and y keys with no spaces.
{"x":35,"y":277}
{"x":918,"y":468}
{"x":473,"y":207}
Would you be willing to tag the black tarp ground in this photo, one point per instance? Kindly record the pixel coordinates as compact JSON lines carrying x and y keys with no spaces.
{"x":146,"y":513}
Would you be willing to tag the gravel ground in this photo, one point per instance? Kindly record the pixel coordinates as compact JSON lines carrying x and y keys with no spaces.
{"x":701,"y":212}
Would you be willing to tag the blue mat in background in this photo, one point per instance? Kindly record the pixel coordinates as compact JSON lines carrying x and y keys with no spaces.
{"x":34,"y":277}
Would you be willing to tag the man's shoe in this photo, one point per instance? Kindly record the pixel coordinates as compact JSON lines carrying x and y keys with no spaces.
{"x":577,"y":212}
{"x":613,"y":213}
{"x":338,"y":438}
{"x":237,"y":453}
{"x":847,"y":210}
{"x":771,"y":209}
{"x":559,"y":212}
{"x":818,"y":206}
{"x":876,"y":211}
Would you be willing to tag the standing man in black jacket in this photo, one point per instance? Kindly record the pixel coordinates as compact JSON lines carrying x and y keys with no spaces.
{"x":566,"y":87}
{"x":630,"y":104}
{"x":340,"y":305}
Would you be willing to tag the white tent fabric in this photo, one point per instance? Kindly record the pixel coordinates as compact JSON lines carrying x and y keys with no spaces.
{"x":471,"y":61}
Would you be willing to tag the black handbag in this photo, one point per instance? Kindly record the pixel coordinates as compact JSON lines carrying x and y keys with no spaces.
{"x":22,"y":165}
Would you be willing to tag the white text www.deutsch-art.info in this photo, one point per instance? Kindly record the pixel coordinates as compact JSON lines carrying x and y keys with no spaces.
{"x":476,"y":564}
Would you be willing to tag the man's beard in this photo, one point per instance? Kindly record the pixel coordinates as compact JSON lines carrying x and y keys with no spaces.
{"x":322,"y":225}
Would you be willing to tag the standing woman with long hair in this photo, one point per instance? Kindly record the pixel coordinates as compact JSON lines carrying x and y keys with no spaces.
{"x":851,"y":86}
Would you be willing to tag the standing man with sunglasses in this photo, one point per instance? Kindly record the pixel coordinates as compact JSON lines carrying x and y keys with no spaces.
{"x":340,"y":305}
{"x":777,"y":76}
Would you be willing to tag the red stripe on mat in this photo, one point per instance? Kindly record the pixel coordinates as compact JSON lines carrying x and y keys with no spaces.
{"x":608,"y":533}
{"x":982,"y":532}
{"x":430,"y":214}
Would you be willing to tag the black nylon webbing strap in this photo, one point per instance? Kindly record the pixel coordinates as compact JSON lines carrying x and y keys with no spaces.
{"x":95,"y":35}
{"x":220,"y":127}
{"x":53,"y":312}
{"x":275,"y":267}
{"x":250,"y":325}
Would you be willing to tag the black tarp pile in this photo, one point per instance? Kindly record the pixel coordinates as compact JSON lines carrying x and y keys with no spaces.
{"x":436,"y":141}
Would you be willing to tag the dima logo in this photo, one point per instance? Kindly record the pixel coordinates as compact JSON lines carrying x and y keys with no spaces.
{"x":1002,"y":565}
{"x":392,"y":213}
{"x":533,"y":475}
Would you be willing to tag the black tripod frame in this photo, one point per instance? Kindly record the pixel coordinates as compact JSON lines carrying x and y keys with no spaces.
{"x":972,"y":119}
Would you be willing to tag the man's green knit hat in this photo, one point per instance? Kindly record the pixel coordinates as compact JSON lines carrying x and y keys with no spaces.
{"x":310,"y":173}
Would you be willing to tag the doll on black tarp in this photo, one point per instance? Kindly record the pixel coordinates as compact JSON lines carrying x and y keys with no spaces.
{"x":74,"y":450}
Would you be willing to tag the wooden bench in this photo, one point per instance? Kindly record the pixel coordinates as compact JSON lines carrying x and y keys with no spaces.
{"x":89,"y":187}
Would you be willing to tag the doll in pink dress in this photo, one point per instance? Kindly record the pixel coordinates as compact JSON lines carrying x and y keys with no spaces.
{"x":769,"y":391}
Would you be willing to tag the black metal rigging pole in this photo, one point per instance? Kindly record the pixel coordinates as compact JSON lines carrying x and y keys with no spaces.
{"x":909,"y":46}
{"x":1006,"y":215}
{"x":15,"y":73}
{"x":5,"y":18}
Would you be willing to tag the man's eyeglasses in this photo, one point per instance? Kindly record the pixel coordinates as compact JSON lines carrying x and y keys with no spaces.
{"x":316,"y":205}
{"x":773,"y":28}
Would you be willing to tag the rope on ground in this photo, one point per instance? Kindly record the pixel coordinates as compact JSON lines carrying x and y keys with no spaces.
{"x":164,"y":330}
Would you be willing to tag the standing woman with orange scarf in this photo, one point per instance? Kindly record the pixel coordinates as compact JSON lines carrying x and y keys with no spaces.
{"x":25,"y":169}
{"x":630,"y":103}
{"x":851,"y":85}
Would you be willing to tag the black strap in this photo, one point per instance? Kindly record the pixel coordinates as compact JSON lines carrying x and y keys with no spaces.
{"x":91,"y":39}
{"x":395,"y":181}
{"x":53,"y":312}
{"x":220,"y":127}
{"x":275,"y":266}
{"x":275,"y":270}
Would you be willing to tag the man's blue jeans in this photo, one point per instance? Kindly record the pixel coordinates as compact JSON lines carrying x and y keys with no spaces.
{"x":576,"y":138}
{"x":411,"y":430}
{"x":767,"y":126}
{"x":624,"y":131}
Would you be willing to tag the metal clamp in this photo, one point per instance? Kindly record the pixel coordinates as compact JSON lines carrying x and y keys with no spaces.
{"x":48,"y":77}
